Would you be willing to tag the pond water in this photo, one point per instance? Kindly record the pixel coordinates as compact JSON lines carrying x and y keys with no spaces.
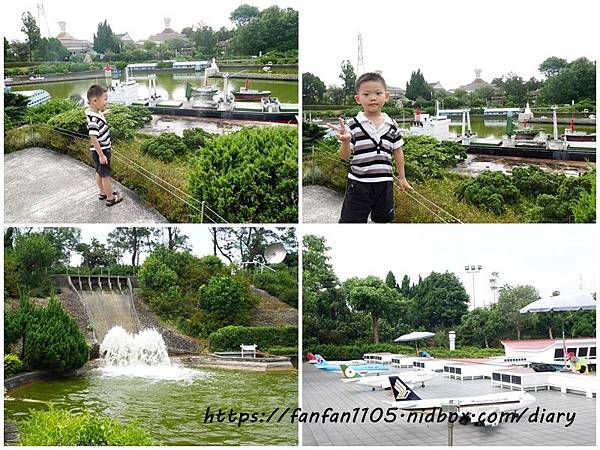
{"x":171,"y":86}
{"x":173,"y":411}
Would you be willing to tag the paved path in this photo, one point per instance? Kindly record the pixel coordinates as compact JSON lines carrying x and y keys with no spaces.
{"x":321,"y":204}
{"x":321,"y":390}
{"x":43,"y":186}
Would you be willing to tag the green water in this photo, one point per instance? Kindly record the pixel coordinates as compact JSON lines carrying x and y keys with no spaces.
{"x":171,"y":86}
{"x":497,"y":128}
{"x":173,"y":412}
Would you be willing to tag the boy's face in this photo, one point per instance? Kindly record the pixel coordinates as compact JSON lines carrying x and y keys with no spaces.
{"x":99,"y":102}
{"x":372,"y":96}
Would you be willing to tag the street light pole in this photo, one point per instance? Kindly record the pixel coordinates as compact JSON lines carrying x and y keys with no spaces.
{"x":473,"y":270}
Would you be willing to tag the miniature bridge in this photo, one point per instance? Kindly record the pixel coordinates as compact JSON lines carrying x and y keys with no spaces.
{"x":108,"y":301}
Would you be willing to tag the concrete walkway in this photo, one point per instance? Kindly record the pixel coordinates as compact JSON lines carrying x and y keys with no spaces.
{"x":321,"y":204}
{"x":43,"y":186}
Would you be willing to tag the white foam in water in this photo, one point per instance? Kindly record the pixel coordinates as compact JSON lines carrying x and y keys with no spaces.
{"x":142,"y":355}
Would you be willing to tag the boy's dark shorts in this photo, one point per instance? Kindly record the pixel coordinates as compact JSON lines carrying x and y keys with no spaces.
{"x":362,"y":199}
{"x":104,"y":170}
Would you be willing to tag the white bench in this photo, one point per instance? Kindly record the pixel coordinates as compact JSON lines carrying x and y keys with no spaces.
{"x":248,"y":348}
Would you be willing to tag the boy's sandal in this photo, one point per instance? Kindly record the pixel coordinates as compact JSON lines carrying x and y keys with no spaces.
{"x":103,"y":196}
{"x":118,"y":198}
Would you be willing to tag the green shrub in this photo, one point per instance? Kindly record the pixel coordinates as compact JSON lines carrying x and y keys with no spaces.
{"x":223,"y":301}
{"x":196,"y":138}
{"x":490,"y":191}
{"x":34,"y":254}
{"x":72,"y":120}
{"x":533,"y":181}
{"x":426,"y":157}
{"x":53,"y":340}
{"x":8,"y":124}
{"x":43,"y":113}
{"x":283,"y":283}
{"x":164,"y":147}
{"x":282,"y":351}
{"x":356,"y":351}
{"x":250,"y":175}
{"x":123,"y":120}
{"x":12,"y":365}
{"x":65,"y":428}
{"x":230,"y":338}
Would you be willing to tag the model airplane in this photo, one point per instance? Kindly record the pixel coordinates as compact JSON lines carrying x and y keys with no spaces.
{"x":469,"y":409}
{"x":382,"y":381}
{"x":363,"y":368}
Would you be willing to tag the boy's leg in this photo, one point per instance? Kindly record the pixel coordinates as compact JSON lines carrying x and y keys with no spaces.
{"x":357,"y":203}
{"x":383,"y":207}
{"x":107,"y":187}
{"x":99,"y":183}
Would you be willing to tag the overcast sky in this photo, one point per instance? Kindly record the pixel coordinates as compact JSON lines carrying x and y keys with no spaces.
{"x":447,"y":40}
{"x":199,"y":238}
{"x":549,"y":257}
{"x":139,"y":19}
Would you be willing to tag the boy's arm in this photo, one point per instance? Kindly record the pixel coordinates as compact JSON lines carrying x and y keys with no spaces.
{"x":345,"y":149}
{"x":101,"y":155}
{"x":399,"y":158}
{"x":93,"y":131}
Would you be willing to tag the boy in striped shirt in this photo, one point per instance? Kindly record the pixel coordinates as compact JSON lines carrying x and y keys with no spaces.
{"x":100,"y":144}
{"x":371,"y":140}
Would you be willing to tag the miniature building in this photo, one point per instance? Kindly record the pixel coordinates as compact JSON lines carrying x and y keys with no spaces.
{"x":72,"y":44}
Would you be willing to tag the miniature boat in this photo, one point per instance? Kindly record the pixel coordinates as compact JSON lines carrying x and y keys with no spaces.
{"x":245,"y":94}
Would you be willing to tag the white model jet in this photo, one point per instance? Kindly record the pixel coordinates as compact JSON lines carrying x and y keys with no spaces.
{"x":469,"y":409}
{"x":411,"y":378}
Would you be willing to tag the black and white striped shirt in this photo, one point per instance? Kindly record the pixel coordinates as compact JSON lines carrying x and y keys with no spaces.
{"x":373,"y":149}
{"x":98,"y":126}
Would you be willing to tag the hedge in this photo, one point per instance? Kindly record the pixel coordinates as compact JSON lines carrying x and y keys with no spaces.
{"x":356,"y":351}
{"x":12,"y":365}
{"x":230,"y":338}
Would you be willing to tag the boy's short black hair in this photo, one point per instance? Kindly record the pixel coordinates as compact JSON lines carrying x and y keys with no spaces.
{"x":95,"y":91}
{"x":369,"y":76}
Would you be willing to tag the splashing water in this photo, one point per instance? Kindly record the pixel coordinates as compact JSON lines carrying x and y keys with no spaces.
{"x":141,"y":355}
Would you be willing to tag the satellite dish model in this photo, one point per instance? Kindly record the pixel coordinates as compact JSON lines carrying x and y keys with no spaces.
{"x":275,"y":253}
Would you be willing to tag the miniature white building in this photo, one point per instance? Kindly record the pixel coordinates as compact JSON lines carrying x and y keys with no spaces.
{"x":550,"y":351}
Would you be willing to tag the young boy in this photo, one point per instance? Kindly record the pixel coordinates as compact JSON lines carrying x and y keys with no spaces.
{"x":371,"y":140}
{"x":100,"y":144}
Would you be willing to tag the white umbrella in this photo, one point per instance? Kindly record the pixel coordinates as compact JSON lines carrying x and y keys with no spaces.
{"x":414,"y":336}
{"x":560,"y":303}
{"x":567,"y":302}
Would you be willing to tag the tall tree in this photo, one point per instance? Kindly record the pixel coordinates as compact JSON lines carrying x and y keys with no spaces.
{"x":418,"y":87}
{"x":243,"y":14}
{"x":313,"y":89}
{"x":552,"y":66}
{"x":64,"y":239}
{"x":132,"y":240}
{"x":390,"y":281}
{"x":405,"y":288}
{"x":31,"y":31}
{"x":95,"y":254}
{"x":348,"y":77}
{"x":371,"y":296}
{"x":105,"y":39}
{"x":176,"y":239}
{"x":440,"y":300}
{"x":510,"y":300}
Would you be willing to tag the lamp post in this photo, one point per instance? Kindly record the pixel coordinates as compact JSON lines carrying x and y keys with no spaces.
{"x":473,"y":270}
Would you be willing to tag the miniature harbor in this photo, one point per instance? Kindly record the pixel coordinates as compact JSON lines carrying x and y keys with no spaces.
{"x":522,"y":141}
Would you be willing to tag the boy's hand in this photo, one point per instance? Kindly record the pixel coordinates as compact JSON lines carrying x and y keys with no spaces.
{"x":106,"y":111}
{"x":341,"y":132}
{"x":103,"y":159}
{"x":403,"y":184}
